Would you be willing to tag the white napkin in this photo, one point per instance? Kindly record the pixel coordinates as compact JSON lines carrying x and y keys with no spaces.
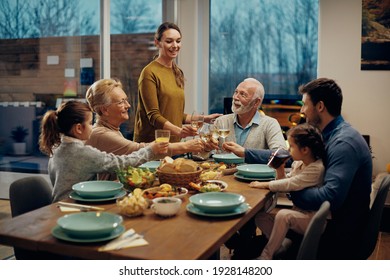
{"x":68,"y":209}
{"x":127,"y":240}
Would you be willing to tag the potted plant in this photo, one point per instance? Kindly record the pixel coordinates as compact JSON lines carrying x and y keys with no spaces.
{"x":19,"y":134}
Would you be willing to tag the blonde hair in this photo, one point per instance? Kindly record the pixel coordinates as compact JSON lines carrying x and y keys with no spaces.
{"x":55,"y":123}
{"x":179,"y":75}
{"x":97,"y":94}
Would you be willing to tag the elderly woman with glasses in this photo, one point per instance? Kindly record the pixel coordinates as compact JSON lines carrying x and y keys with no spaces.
{"x":110,"y":103}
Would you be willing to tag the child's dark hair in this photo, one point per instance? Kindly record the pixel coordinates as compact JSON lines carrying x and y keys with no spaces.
{"x":306,"y":135}
{"x":55,"y":123}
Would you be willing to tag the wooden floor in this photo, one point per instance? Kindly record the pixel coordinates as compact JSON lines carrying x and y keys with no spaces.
{"x":382,"y":251}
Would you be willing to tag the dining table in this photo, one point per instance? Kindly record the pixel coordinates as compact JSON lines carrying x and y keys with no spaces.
{"x":185,"y":236}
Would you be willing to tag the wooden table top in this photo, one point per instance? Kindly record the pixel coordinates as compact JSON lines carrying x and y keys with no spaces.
{"x":183,"y":237}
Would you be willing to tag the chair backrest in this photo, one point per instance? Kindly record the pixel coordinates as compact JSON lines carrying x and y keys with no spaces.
{"x":29,"y":193}
{"x":371,"y":232}
{"x":309,"y":245}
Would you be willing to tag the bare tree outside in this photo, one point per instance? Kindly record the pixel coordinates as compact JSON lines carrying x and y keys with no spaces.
{"x":15,"y":20}
{"x":134,"y":16}
{"x":273,"y":41}
{"x":44,"y":18}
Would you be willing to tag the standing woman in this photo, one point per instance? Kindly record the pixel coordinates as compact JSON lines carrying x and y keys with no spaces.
{"x":161,"y":91}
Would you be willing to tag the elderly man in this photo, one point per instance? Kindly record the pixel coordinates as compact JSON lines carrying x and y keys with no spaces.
{"x":248,"y":128}
{"x":250,"y":132}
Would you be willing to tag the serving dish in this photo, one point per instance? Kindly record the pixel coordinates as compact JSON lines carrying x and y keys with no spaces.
{"x":89,"y":224}
{"x":97,"y":189}
{"x":256,"y":170}
{"x":217,"y":202}
{"x":228,"y":158}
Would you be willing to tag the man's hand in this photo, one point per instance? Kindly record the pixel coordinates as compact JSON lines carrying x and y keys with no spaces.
{"x":234,"y":148}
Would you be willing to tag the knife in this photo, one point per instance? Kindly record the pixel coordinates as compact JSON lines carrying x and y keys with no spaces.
{"x":81,"y":206}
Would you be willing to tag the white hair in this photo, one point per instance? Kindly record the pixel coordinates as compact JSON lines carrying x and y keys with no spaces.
{"x":259,"y":92}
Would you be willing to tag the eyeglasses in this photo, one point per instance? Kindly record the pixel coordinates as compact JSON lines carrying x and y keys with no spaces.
{"x":122,"y":102}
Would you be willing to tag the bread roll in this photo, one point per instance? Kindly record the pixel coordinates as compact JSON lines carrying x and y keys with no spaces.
{"x":185,"y":165}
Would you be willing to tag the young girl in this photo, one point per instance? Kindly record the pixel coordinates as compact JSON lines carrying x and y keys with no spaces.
{"x":63,"y":133}
{"x":308,"y":150}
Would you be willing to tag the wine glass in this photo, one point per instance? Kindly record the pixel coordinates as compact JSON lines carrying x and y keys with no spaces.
{"x":162,"y":135}
{"x":223,"y":131}
{"x":197,"y":120}
{"x":204,"y":132}
{"x":213,"y":133}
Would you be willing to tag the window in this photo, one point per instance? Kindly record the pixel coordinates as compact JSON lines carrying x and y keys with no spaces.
{"x":51,"y":49}
{"x":272,"y":41}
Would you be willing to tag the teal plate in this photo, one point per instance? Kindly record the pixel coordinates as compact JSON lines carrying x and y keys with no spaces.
{"x":75,"y":196}
{"x":228,"y":158}
{"x":245,"y":178}
{"x":97,"y":189}
{"x":256,"y":170}
{"x":151,"y":165}
{"x":57,"y":232}
{"x":237,"y":211}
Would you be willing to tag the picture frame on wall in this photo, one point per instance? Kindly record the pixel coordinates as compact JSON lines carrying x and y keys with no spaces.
{"x":375,"y":42}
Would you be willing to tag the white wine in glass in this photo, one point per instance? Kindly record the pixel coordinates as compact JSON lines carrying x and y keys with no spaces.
{"x":204,"y":132}
{"x":197,"y":120}
{"x":223,"y":132}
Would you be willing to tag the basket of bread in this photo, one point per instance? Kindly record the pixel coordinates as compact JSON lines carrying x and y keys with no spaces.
{"x":179,"y":172}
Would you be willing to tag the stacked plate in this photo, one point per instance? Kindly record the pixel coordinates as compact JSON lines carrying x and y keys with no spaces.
{"x":97,"y":191}
{"x":217,"y":204}
{"x":228,"y":158}
{"x":255,"y":172}
{"x":88,"y":227}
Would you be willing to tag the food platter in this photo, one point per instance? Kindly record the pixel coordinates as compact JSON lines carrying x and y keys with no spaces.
{"x":209,"y":186}
{"x":162,"y":191}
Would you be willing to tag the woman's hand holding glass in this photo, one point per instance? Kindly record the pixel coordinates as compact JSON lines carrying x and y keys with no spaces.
{"x":162,"y":141}
{"x":207,"y":134}
{"x":197,"y":120}
{"x":187,"y":131}
{"x":194,"y":145}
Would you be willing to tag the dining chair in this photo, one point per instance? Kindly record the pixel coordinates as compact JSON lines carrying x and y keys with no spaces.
{"x":308,"y":244}
{"x":27,"y":194}
{"x":370,"y":234}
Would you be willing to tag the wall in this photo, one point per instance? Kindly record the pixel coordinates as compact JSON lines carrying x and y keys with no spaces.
{"x":366,"y":93}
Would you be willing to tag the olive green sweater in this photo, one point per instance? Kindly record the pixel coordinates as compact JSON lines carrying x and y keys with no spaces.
{"x":160,"y":100}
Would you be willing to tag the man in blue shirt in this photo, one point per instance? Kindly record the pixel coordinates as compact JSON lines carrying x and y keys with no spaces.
{"x":348,"y":175}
